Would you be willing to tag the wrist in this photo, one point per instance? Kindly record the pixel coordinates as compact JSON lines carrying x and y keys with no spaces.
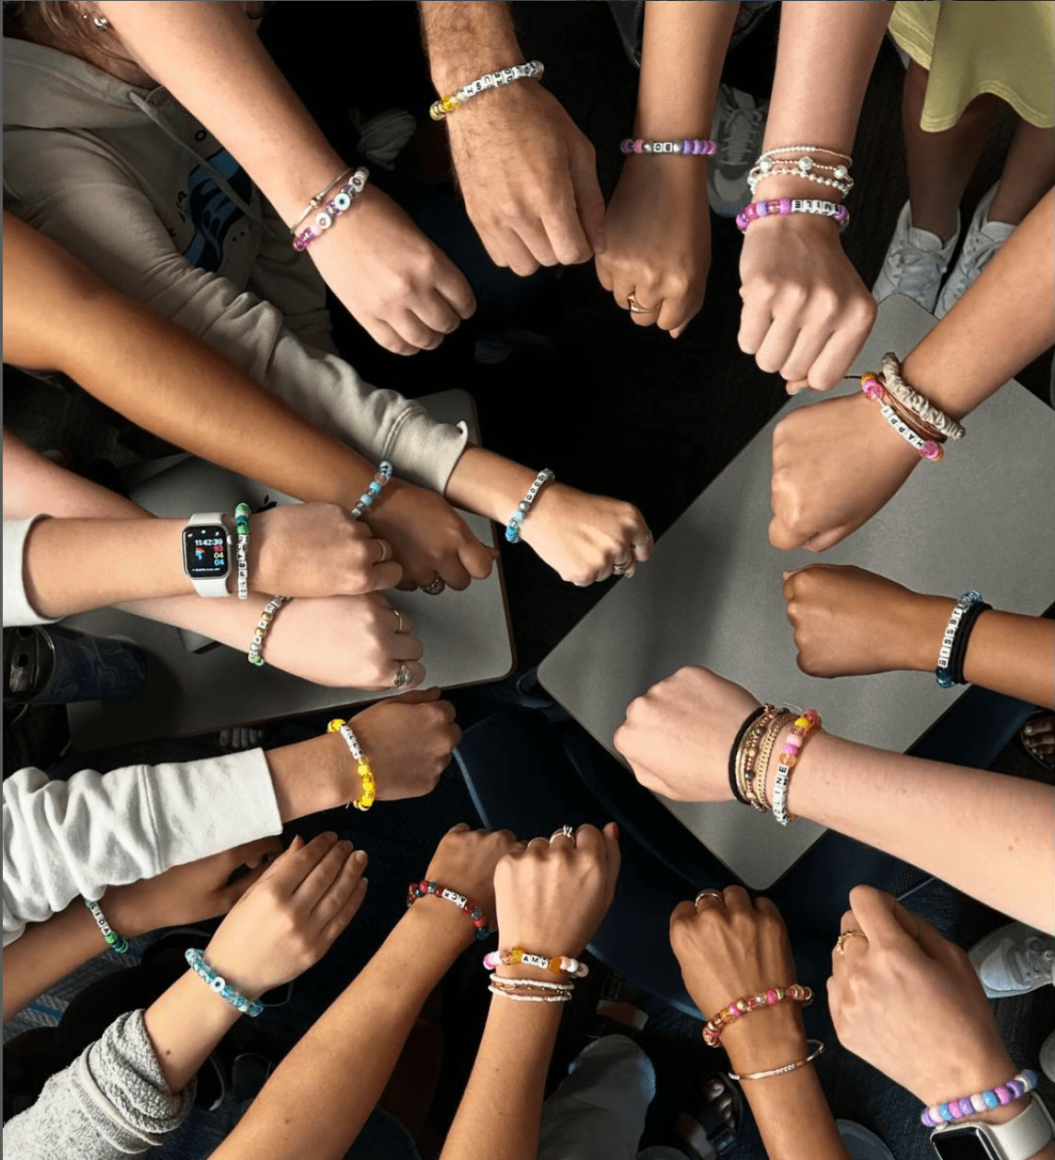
{"x":447,"y":927}
{"x":306,"y":177}
{"x":786,"y":185}
{"x":973,"y":1073}
{"x":929,"y":616}
{"x":933,"y":381}
{"x":766,"y":1045}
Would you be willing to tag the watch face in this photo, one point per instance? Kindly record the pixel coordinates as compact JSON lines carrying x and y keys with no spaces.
{"x":205,"y":551}
{"x":966,"y":1143}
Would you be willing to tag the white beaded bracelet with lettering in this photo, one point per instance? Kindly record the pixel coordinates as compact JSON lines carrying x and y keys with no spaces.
{"x":531,"y":70}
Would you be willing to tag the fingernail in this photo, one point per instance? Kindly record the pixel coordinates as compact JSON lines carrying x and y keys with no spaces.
{"x":347,"y":842}
{"x":1028,"y":729}
{"x":359,"y":857}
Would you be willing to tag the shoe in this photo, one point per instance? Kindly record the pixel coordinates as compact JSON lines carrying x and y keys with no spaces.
{"x":1047,"y":1057}
{"x":983,"y":240}
{"x":861,"y":1144}
{"x":738,"y":125}
{"x":1014,"y":960}
{"x":1037,"y":738}
{"x":915,"y":262}
{"x":382,"y":137}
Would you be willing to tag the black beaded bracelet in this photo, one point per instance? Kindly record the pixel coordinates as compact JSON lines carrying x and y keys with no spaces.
{"x":963,"y":637}
{"x":741,"y":733}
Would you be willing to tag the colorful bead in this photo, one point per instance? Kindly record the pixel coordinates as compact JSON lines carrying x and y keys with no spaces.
{"x":512,"y":532}
{"x":713,"y":1028}
{"x":469,"y":906}
{"x":218,"y":984}
{"x":1003,"y":1094}
{"x":373,"y":490}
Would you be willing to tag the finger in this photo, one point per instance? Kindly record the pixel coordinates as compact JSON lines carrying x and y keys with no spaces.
{"x":767,"y":906}
{"x":297,"y":862}
{"x":683,"y":912}
{"x":643,"y":544}
{"x":231,"y":894}
{"x":417,"y":674}
{"x":385,"y":335}
{"x":418,"y":697}
{"x":822,"y":541}
{"x":447,"y":712}
{"x":386,"y":575}
{"x":832,"y":362}
{"x":810,"y":342}
{"x":414,"y":332}
{"x":613,"y":855}
{"x":347,"y":912}
{"x":778,"y":343}
{"x":253,"y":853}
{"x":332,"y":900}
{"x":604,"y":272}
{"x":438,"y":314}
{"x":404,"y":647}
{"x":323,"y":874}
{"x":404,"y":624}
{"x":589,"y":201}
{"x":794,"y":388}
{"x":677,"y":311}
{"x":873,"y":914}
{"x":454,"y":286}
{"x":755,"y":322}
{"x":536,"y":237}
{"x":517,"y":256}
{"x":453,"y":572}
{"x":737,"y":900}
{"x":460,"y":828}
{"x":476,"y":558}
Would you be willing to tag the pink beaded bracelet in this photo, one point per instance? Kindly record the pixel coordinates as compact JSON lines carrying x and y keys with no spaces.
{"x":786,"y":205}
{"x":713,"y":1028}
{"x":340,"y":203}
{"x":554,"y":963}
{"x":873,"y":389}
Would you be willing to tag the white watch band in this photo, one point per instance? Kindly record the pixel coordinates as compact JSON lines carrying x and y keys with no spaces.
{"x":1018,"y":1139}
{"x":211,"y":585}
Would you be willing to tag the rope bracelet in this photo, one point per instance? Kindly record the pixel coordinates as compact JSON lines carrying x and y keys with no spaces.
{"x":1006,"y":1093}
{"x":241,"y":523}
{"x":218,"y":984}
{"x":817,"y":1051}
{"x":553,"y":963}
{"x":531,"y":70}
{"x":113,"y":940}
{"x":256,"y":645}
{"x":696,"y":146}
{"x":340,"y":203}
{"x":713,"y":1028}
{"x":367,"y":781}
{"x":373,"y":489}
{"x":788,"y":205}
{"x":517,"y":518}
{"x":469,"y":906}
{"x":924,"y":410}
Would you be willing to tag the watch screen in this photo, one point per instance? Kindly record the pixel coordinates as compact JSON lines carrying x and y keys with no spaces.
{"x":205,"y":552}
{"x":962,"y":1145}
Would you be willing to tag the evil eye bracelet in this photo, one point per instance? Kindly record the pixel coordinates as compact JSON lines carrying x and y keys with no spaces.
{"x":517,"y":518}
{"x":689,"y":145}
{"x":373,"y":490}
{"x":368,"y":784}
{"x":531,"y":70}
{"x":241,"y":524}
{"x":713,"y":1028}
{"x":469,"y":906}
{"x":899,"y":423}
{"x":786,"y":205}
{"x":1005,"y":1093}
{"x":113,"y":940}
{"x":340,"y":203}
{"x":256,"y":645}
{"x":320,"y":197}
{"x":789,"y":757}
{"x":218,"y":984}
{"x":965,"y":612}
{"x":552,"y":963}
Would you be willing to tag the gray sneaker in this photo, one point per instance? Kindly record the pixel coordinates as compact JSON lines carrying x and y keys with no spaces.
{"x":1014,"y":960}
{"x":980,"y":245}
{"x":915,"y":262}
{"x":738,"y":126}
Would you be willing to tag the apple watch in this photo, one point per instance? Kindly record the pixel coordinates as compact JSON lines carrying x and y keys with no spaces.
{"x":1018,"y":1139}
{"x":207,"y":553}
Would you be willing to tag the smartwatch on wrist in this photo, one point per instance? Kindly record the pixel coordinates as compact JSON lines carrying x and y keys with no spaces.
{"x":207,"y":553}
{"x":1018,"y":1139}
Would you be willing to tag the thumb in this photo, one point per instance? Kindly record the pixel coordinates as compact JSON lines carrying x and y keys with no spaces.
{"x":822,"y":541}
{"x":588,"y":198}
{"x":476,"y":558}
{"x":415,"y":697}
{"x":255,"y":853}
{"x":237,"y":890}
{"x":614,"y":858}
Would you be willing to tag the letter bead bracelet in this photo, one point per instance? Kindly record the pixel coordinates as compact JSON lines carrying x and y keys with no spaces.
{"x":531,"y":70}
{"x":713,"y":1028}
{"x":367,"y":782}
{"x":927,"y":442}
{"x":786,"y":205}
{"x":1014,"y":1089}
{"x":966,"y":610}
{"x":113,"y":940}
{"x":695,"y":146}
{"x":517,"y":518}
{"x":340,"y":203}
{"x":241,"y":524}
{"x":552,"y":963}
{"x":256,"y":645}
{"x":218,"y":984}
{"x":373,"y":489}
{"x":469,"y":906}
{"x":789,"y":757}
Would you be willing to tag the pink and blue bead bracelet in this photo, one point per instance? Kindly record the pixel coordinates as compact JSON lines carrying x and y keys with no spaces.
{"x":786,"y":205}
{"x":341,"y":202}
{"x":218,"y":984}
{"x":697,"y":146}
{"x":1006,"y":1093}
{"x":373,"y":489}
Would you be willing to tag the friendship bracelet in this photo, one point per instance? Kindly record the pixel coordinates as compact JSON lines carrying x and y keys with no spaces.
{"x":918,"y":404}
{"x":734,"y":751}
{"x":786,"y":205}
{"x":1007,"y":1093}
{"x":113,"y":940}
{"x":806,"y":150}
{"x":873,"y":389}
{"x":693,"y":145}
{"x":218,"y":984}
{"x":373,"y":489}
{"x":532,"y":70}
{"x":256,"y":645}
{"x":756,"y":177}
{"x":713,"y":1028}
{"x":368,"y":785}
{"x":768,"y":165}
{"x":517,"y":518}
{"x":539,"y":984}
{"x":528,"y":998}
{"x":761,"y":800}
{"x":340,"y":203}
{"x":468,"y":906}
{"x":241,"y":523}
{"x":817,"y":1051}
{"x":748,"y":753}
{"x":945,"y":672}
{"x":320,"y":197}
{"x":554,"y":963}
{"x":789,"y":758}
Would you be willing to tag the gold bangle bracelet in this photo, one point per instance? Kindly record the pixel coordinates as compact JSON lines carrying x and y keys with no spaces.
{"x":817,"y":1051}
{"x":765,"y":752}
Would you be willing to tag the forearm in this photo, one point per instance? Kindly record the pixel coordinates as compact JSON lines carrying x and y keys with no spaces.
{"x":185,"y":1025}
{"x":313,"y":776}
{"x":488,"y":484}
{"x":467,"y":38}
{"x":502,"y":1104}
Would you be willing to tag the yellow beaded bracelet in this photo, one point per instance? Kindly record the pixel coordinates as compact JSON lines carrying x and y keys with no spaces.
{"x":368,"y":785}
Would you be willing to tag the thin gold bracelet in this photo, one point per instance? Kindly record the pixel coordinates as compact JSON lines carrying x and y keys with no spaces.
{"x":818,"y":1050}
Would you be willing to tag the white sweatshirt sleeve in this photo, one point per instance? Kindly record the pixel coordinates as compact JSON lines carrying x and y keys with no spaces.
{"x":65,"y":838}
{"x":17,"y":609}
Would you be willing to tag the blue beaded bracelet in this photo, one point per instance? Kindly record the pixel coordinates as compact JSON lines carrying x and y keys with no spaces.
{"x":518,"y":517}
{"x":944,"y":674}
{"x":1007,"y":1093}
{"x":373,"y":490}
{"x":218,"y":984}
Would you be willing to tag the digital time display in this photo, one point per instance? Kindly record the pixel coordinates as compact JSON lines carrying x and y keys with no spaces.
{"x":205,"y":552}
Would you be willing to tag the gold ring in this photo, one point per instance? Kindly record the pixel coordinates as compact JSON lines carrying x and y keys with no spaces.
{"x":635,"y":307}
{"x":708,"y":892}
{"x":851,"y":933}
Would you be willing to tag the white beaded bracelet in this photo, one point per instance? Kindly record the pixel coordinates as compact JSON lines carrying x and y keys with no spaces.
{"x":840,"y":179}
{"x":532,"y":70}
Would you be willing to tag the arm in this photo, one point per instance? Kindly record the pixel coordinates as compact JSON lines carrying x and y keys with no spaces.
{"x":806,"y":312}
{"x":677,"y":737}
{"x":658,"y":224}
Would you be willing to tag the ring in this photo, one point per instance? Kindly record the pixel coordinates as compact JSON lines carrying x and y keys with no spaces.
{"x":399,"y":620}
{"x":386,"y":551}
{"x":708,"y":892}
{"x":403,"y":677}
{"x":436,"y":586}
{"x":567,"y":831}
{"x":645,"y":542}
{"x":848,"y":934}
{"x":621,"y":566}
{"x":635,"y":307}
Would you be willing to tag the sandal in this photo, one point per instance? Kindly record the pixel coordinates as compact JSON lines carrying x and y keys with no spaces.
{"x":1038,"y":738}
{"x":709,"y":1126}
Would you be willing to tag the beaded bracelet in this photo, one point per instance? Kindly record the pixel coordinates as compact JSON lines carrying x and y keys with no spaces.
{"x":814,"y":1054}
{"x":518,"y":517}
{"x":532,"y":70}
{"x":697,"y":146}
{"x":873,"y":389}
{"x":320,"y":197}
{"x":786,"y":205}
{"x":113,"y":940}
{"x":789,"y":758}
{"x":373,"y":489}
{"x":368,"y":784}
{"x":918,"y":404}
{"x":713,"y":1028}
{"x":734,"y":751}
{"x":469,"y":906}
{"x":1007,"y":1093}
{"x":553,"y":963}
{"x":241,"y":523}
{"x":945,"y":671}
{"x":748,"y":752}
{"x":760,"y":799}
{"x":218,"y":984}
{"x":256,"y":645}
{"x":804,"y":167}
{"x":340,"y":203}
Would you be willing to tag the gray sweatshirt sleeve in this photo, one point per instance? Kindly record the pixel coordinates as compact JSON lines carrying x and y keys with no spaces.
{"x":17,"y":609}
{"x":111,"y":1103}
{"x":65,"y":838}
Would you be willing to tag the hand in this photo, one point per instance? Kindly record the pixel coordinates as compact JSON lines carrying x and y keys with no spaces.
{"x":408,"y":740}
{"x":806,"y":311}
{"x":658,"y":232}
{"x":848,"y":621}
{"x":882,"y":982}
{"x":583,"y":536}
{"x":317,"y":549}
{"x":728,"y":948}
{"x":678,"y":735}
{"x":291,"y":916}
{"x":529,"y":178}
{"x":835,"y":464}
{"x":429,"y":538}
{"x":344,"y":642}
{"x":404,"y":290}
{"x":551,"y":895}
{"x":465,"y":860}
{"x":188,"y":893}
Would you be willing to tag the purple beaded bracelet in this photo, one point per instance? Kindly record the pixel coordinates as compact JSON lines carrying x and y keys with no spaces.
{"x":786,"y":205}
{"x":1007,"y":1093}
{"x":340,"y":203}
{"x":694,"y":145}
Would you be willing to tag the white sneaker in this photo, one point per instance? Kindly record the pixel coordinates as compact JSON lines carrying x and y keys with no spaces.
{"x":1014,"y":960}
{"x":983,"y":240}
{"x":915,"y":262}
{"x":1047,"y":1057}
{"x":738,"y":127}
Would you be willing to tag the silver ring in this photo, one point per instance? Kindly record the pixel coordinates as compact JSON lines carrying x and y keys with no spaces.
{"x":403,"y":677}
{"x":708,"y":892}
{"x":567,"y":831}
{"x":619,"y":568}
{"x":436,"y":586}
{"x":399,"y":620}
{"x":386,"y":551}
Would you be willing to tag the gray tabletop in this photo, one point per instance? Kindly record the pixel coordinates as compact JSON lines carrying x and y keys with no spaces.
{"x":466,"y":634}
{"x":712,"y":593}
